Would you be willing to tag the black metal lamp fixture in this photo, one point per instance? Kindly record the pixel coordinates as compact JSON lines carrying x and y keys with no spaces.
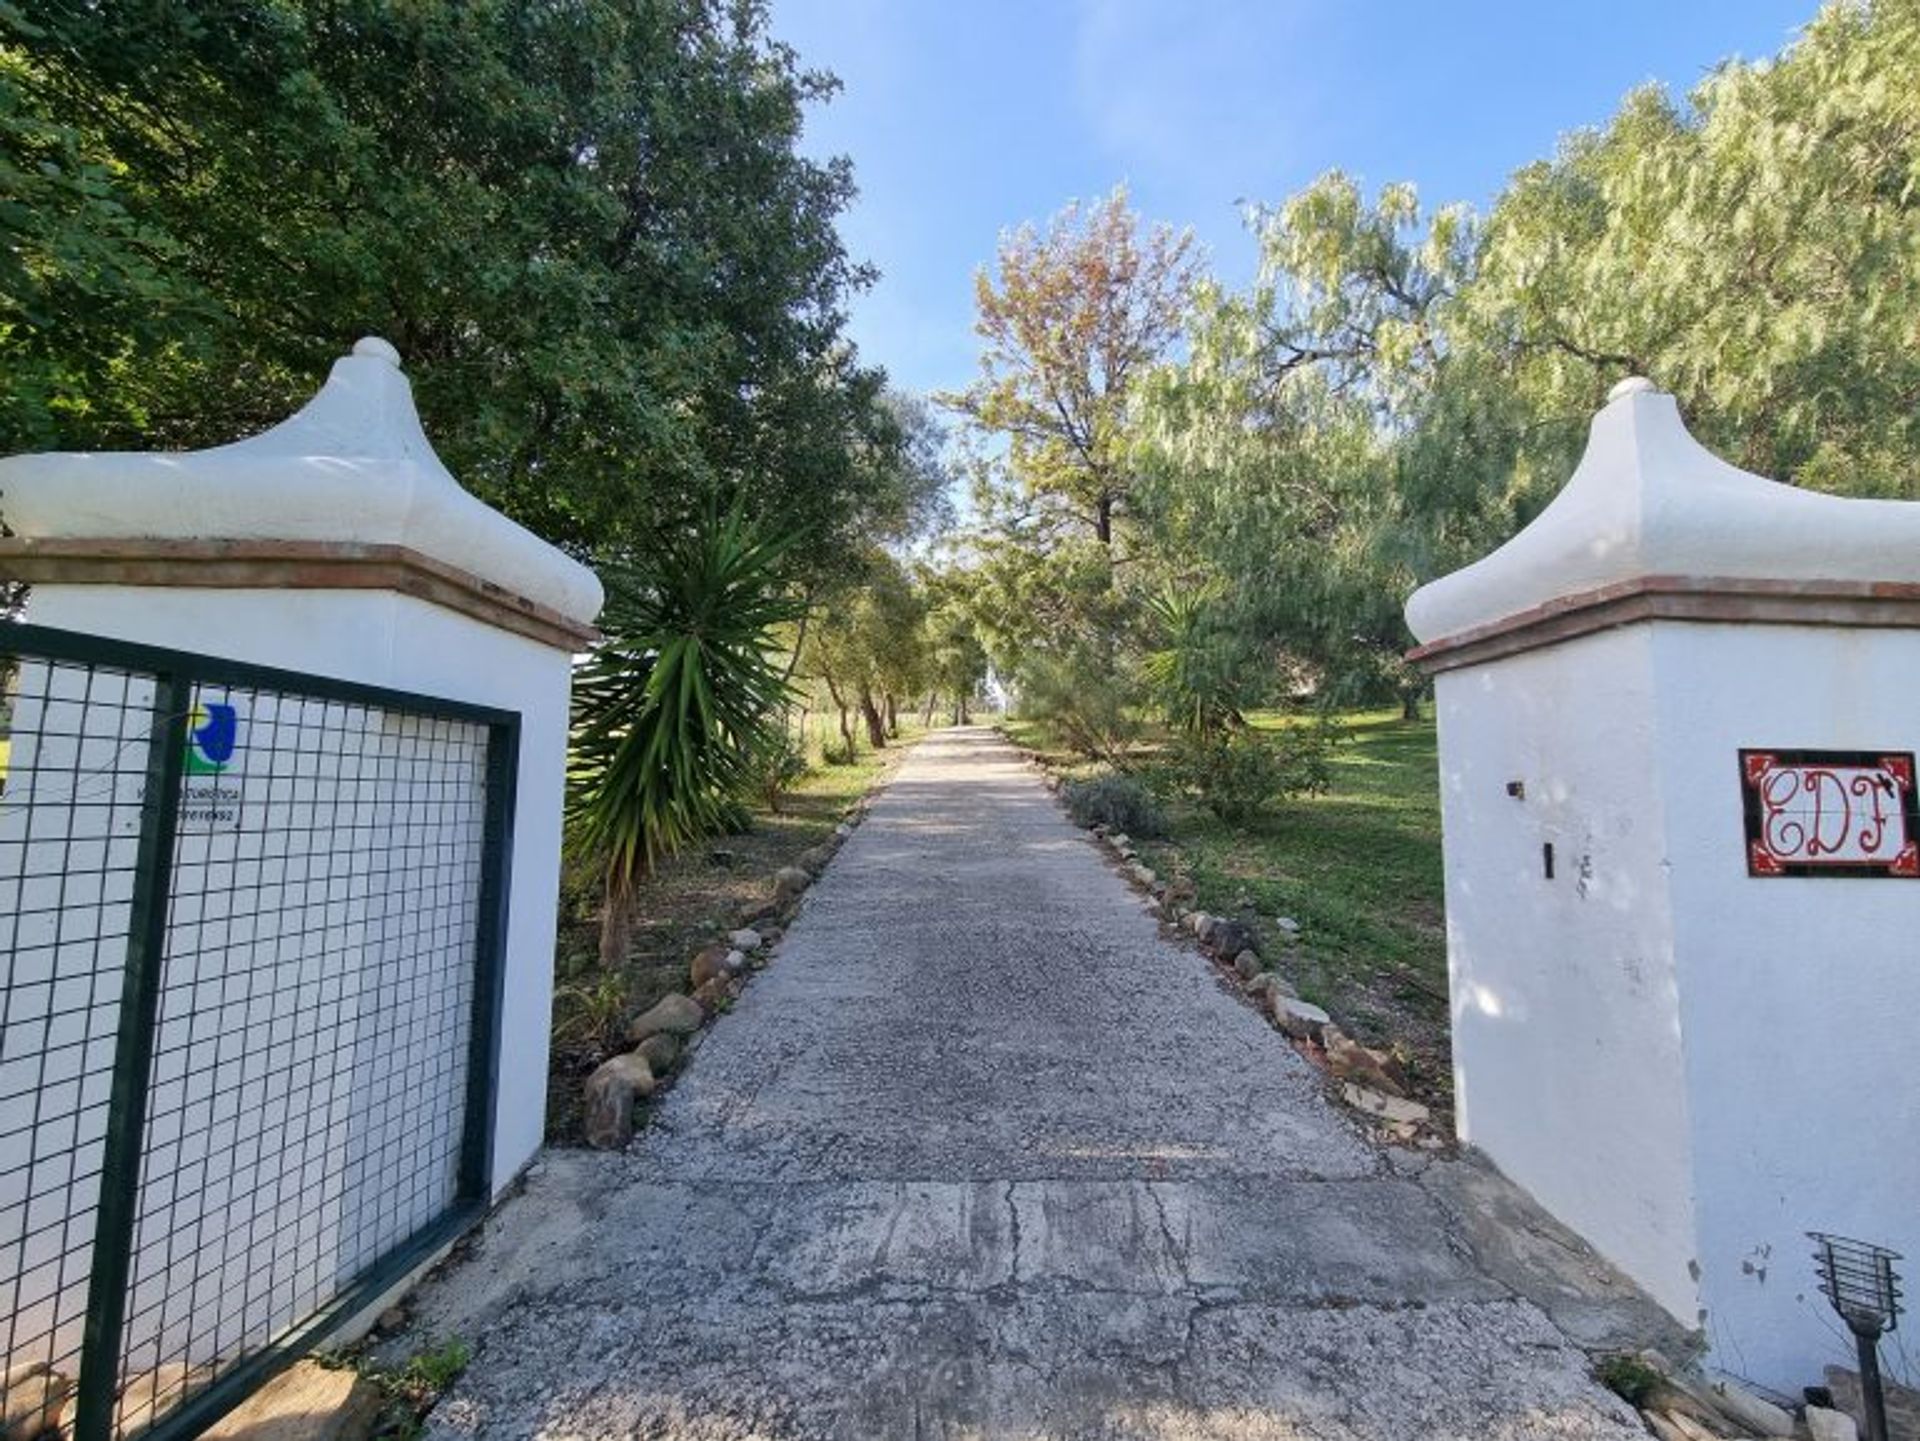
{"x":1857,"y":1277}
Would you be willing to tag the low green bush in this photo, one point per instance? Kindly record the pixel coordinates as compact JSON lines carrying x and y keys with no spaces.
{"x":1628,"y":1377}
{"x":1118,"y":802}
{"x":1081,"y":700}
{"x":1240,"y":773}
{"x":777,"y":769}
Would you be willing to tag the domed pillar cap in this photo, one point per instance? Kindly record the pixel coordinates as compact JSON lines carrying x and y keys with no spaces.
{"x":1653,"y":525}
{"x":348,"y":482}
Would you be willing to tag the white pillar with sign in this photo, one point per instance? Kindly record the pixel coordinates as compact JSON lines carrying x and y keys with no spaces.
{"x":1678,"y":722}
{"x":336,"y":544}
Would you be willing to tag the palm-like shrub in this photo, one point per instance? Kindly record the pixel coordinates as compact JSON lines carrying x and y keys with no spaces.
{"x":674,"y":711}
{"x":1200,"y":670}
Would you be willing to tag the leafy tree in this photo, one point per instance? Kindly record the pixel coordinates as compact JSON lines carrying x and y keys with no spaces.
{"x":617,"y":285}
{"x":956,"y":661}
{"x":1055,"y":625}
{"x":1076,"y":315}
{"x":1272,"y":484}
{"x":1752,"y":250}
{"x":1078,"y":312}
{"x":84,"y":284}
{"x":1356,"y":288}
{"x":1399,"y":391}
{"x":865,"y":645}
{"x":674,"y":711}
{"x":913,"y":493}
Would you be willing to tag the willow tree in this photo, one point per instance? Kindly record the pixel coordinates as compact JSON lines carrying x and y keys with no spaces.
{"x":1403,"y":389}
{"x":1752,"y":248}
{"x":1269,"y":455}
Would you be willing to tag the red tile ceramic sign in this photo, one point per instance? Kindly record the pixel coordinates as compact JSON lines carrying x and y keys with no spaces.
{"x":1831,"y":813}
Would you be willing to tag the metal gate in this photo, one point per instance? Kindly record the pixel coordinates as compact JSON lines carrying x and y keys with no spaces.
{"x":251,"y":923}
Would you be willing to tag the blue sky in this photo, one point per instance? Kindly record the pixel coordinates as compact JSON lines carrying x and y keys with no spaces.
{"x":966,"y":117}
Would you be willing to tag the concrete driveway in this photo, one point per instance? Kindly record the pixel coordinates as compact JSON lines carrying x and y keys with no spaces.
{"x":984,"y":1155}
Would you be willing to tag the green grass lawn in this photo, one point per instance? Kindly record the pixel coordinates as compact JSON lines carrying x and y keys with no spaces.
{"x":1358,"y":868}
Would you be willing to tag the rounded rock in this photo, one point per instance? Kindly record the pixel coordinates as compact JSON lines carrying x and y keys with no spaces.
{"x":1300,"y":1019}
{"x":610,"y":1093}
{"x":711,"y":962}
{"x":660,"y":1052}
{"x":1227,"y":939}
{"x":674,"y":1015}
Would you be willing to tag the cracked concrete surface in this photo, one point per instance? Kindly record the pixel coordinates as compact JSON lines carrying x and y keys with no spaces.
{"x":983,"y":1155}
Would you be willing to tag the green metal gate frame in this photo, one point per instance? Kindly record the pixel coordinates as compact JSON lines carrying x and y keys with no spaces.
{"x":175,"y":674}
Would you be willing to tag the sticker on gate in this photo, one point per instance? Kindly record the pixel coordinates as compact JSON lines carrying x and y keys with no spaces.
{"x":210,"y":788}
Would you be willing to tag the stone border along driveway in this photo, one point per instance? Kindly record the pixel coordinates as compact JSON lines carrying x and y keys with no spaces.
{"x":986,"y":1156}
{"x":1373,"y":1081}
{"x":663,"y":1038}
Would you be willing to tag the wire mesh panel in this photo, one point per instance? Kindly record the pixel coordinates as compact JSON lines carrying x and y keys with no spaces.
{"x":72,"y":768}
{"x":309,"y":1067}
{"x":248,"y":1018}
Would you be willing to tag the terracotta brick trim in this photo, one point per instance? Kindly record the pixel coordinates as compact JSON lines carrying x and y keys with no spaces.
{"x":1717,"y":599}
{"x":286,"y":565}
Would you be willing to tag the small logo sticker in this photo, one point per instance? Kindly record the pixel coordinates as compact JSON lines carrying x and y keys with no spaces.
{"x":212,"y":738}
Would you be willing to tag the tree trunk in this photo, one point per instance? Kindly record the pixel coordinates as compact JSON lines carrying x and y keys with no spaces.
{"x":1103,"y":519}
{"x":933,"y":699}
{"x":876,"y":728}
{"x":956,"y":710}
{"x":799,"y":639}
{"x":966,"y":719}
{"x":1410,"y":704}
{"x":616,"y":921}
{"x":840,"y":704}
{"x":893,"y":715}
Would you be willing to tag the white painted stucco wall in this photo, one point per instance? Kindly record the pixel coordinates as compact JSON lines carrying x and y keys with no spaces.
{"x":1799,"y":999}
{"x":380,"y":638}
{"x":351,"y":466}
{"x":1690,"y":1065}
{"x":1568,"y":1069}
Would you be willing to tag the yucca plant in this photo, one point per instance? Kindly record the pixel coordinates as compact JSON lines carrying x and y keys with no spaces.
{"x":1197,"y":671}
{"x":674,"y":709}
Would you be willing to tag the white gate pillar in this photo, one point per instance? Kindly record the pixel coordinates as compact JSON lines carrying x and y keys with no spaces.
{"x":337,"y":544}
{"x":1677,"y":719}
